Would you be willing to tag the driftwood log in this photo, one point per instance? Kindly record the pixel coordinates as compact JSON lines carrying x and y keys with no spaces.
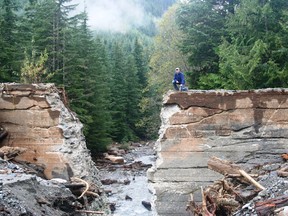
{"x":227,"y":168}
{"x":267,"y":207}
{"x":84,"y":182}
{"x":91,"y":212}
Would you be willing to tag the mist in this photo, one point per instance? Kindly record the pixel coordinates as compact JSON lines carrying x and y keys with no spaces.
{"x":112,"y":15}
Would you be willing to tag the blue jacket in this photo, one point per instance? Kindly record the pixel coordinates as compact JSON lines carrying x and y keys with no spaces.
{"x":179,"y":77}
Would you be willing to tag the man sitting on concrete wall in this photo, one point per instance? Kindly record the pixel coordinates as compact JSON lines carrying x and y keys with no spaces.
{"x":179,"y":79}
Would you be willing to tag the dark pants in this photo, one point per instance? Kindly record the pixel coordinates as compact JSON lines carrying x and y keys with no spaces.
{"x":182,"y":88}
{"x":175,"y":85}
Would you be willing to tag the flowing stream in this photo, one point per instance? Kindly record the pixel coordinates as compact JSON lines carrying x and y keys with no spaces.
{"x":130,"y":185}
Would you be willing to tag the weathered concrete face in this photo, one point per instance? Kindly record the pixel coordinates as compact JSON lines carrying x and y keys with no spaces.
{"x":36,"y":119}
{"x":246,"y":127}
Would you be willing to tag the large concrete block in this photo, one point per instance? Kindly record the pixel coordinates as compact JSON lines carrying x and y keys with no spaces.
{"x":36,"y":119}
{"x":246,"y":127}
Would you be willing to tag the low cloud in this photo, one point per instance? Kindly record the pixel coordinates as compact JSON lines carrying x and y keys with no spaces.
{"x":112,"y":15}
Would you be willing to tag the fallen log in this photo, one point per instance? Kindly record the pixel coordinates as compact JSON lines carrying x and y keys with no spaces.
{"x":267,"y":207}
{"x":90,"y":212}
{"x":228,"y":168}
{"x":239,"y":175}
{"x":223,"y":167}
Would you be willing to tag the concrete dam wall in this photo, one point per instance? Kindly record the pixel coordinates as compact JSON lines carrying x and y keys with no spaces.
{"x":36,"y":119}
{"x":246,"y":127}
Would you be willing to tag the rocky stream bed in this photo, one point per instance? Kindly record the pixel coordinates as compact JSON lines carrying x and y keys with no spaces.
{"x":125,"y":181}
{"x":24,"y":190}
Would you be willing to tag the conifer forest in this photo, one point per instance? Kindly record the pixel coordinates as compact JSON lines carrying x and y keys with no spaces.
{"x":115,"y":79}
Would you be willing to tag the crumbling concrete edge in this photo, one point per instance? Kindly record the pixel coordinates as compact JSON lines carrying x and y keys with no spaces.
{"x":166,"y":113}
{"x":74,"y":148}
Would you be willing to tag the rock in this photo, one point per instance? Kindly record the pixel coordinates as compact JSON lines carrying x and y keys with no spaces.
{"x":283,"y":211}
{"x":247,"y":194}
{"x":41,"y":200}
{"x":128,"y":197}
{"x":108,"y":181}
{"x":126,"y":181}
{"x":44,"y":131}
{"x":116,"y":152}
{"x":271,"y":167}
{"x":58,"y":181}
{"x":115,"y":159}
{"x":147,"y":205}
{"x":112,"y":207}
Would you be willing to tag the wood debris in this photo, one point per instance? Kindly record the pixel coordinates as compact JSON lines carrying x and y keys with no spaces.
{"x":228,"y":195}
{"x":268,"y":207}
{"x":81,"y":187}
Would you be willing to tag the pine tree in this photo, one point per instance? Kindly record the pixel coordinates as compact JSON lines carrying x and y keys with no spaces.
{"x":255,"y":55}
{"x":141,"y":64}
{"x":9,"y":56}
{"x":86,"y":84}
{"x":203,"y":26}
{"x":133,"y":96}
{"x":119,"y":89}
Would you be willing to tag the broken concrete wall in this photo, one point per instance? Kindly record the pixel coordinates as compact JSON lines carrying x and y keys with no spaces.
{"x":36,"y":119}
{"x":246,"y":127}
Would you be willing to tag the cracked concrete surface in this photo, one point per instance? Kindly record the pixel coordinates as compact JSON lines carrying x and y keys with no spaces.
{"x":246,"y":127}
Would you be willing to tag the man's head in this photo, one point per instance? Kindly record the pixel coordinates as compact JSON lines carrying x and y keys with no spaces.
{"x":177,"y":70}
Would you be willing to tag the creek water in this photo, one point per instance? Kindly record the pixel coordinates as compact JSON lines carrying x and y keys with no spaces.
{"x":132,"y":185}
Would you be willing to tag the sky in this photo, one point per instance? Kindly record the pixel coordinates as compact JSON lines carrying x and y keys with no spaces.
{"x":113,"y":15}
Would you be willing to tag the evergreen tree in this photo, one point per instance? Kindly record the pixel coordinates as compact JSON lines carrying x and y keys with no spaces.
{"x":9,"y":56}
{"x":203,"y":25}
{"x":141,"y":64}
{"x":255,"y":56}
{"x":99,"y":134}
{"x":86,"y":84}
{"x":133,"y":96}
{"x":119,"y":99}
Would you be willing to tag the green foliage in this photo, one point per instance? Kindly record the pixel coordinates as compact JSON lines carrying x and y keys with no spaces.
{"x":251,"y":59}
{"x":85,"y":84}
{"x":33,"y":69}
{"x":166,"y":56}
{"x":9,"y":39}
{"x":202,"y":23}
{"x":239,"y":47}
{"x":104,"y":75}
